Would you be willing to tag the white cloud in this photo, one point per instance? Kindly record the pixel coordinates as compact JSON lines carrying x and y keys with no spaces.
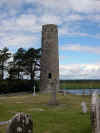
{"x":11,"y":3}
{"x":74,"y":17}
{"x":70,"y":30}
{"x":93,"y":17}
{"x":80,"y":71}
{"x":19,"y":28}
{"x":62,"y":6}
{"x":19,"y":31}
{"x":83,"y":48}
{"x":50,"y":19}
{"x":76,"y":5}
{"x":18,"y":41}
{"x":26,"y":20}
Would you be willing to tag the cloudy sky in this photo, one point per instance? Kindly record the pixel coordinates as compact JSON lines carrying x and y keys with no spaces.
{"x":79,"y":31}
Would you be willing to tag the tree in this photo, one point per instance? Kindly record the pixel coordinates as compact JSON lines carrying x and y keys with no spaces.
{"x":4,"y":56}
{"x":25,"y":63}
{"x":12,"y":71}
{"x":19,"y":61}
{"x":32,"y":63}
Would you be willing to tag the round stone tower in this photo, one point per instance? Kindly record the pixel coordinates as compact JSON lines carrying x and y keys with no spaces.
{"x":49,"y":64}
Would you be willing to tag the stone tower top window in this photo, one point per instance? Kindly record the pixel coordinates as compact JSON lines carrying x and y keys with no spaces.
{"x":45,"y":29}
{"x":52,"y":29}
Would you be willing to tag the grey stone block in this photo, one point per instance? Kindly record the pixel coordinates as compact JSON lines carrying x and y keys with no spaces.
{"x":20,"y":123}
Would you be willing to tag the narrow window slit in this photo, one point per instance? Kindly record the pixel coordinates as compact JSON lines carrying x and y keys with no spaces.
{"x":49,"y":75}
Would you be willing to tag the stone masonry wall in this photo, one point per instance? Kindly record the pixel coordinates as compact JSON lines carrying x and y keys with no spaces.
{"x":50,"y":60}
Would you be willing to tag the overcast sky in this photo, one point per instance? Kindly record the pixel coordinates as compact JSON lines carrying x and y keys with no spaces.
{"x":79,"y":31}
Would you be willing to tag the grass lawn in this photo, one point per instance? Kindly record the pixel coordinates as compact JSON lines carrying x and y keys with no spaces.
{"x":64,"y":118}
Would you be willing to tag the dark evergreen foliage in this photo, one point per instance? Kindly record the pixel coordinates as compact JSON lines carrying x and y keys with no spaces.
{"x":10,"y":86}
{"x":23,"y":71}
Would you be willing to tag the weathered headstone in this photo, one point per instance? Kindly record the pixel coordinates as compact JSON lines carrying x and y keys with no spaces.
{"x":95,"y":113}
{"x":34,"y":93}
{"x":20,"y":123}
{"x":84,"y":107}
{"x":64,"y":92}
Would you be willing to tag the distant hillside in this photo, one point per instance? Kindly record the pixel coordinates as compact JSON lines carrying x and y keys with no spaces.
{"x":80,"y":84}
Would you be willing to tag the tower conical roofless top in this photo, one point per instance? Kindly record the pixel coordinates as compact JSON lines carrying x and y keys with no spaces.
{"x":49,"y":64}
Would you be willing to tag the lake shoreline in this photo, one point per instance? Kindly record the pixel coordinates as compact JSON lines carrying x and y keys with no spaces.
{"x":79,"y":91}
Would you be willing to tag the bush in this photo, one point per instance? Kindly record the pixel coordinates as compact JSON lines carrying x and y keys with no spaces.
{"x":8,"y":86}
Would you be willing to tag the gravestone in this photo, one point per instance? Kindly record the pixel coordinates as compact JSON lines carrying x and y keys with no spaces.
{"x":64,"y":92}
{"x":95,"y":113}
{"x":20,"y":123}
{"x":34,"y":93}
{"x":84,"y":107}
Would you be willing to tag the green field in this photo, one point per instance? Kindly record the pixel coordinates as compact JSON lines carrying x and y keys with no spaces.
{"x":80,"y":84}
{"x":63,"y":118}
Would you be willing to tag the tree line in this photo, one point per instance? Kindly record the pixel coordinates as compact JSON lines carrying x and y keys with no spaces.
{"x":21,"y":65}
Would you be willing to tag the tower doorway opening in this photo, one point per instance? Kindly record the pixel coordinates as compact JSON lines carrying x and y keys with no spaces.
{"x":49,"y":76}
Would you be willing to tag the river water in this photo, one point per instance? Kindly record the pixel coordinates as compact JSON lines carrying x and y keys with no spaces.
{"x":81,"y":91}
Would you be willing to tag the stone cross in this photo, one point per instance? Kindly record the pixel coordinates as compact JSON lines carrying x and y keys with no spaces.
{"x":95,"y":113}
{"x":20,"y":123}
